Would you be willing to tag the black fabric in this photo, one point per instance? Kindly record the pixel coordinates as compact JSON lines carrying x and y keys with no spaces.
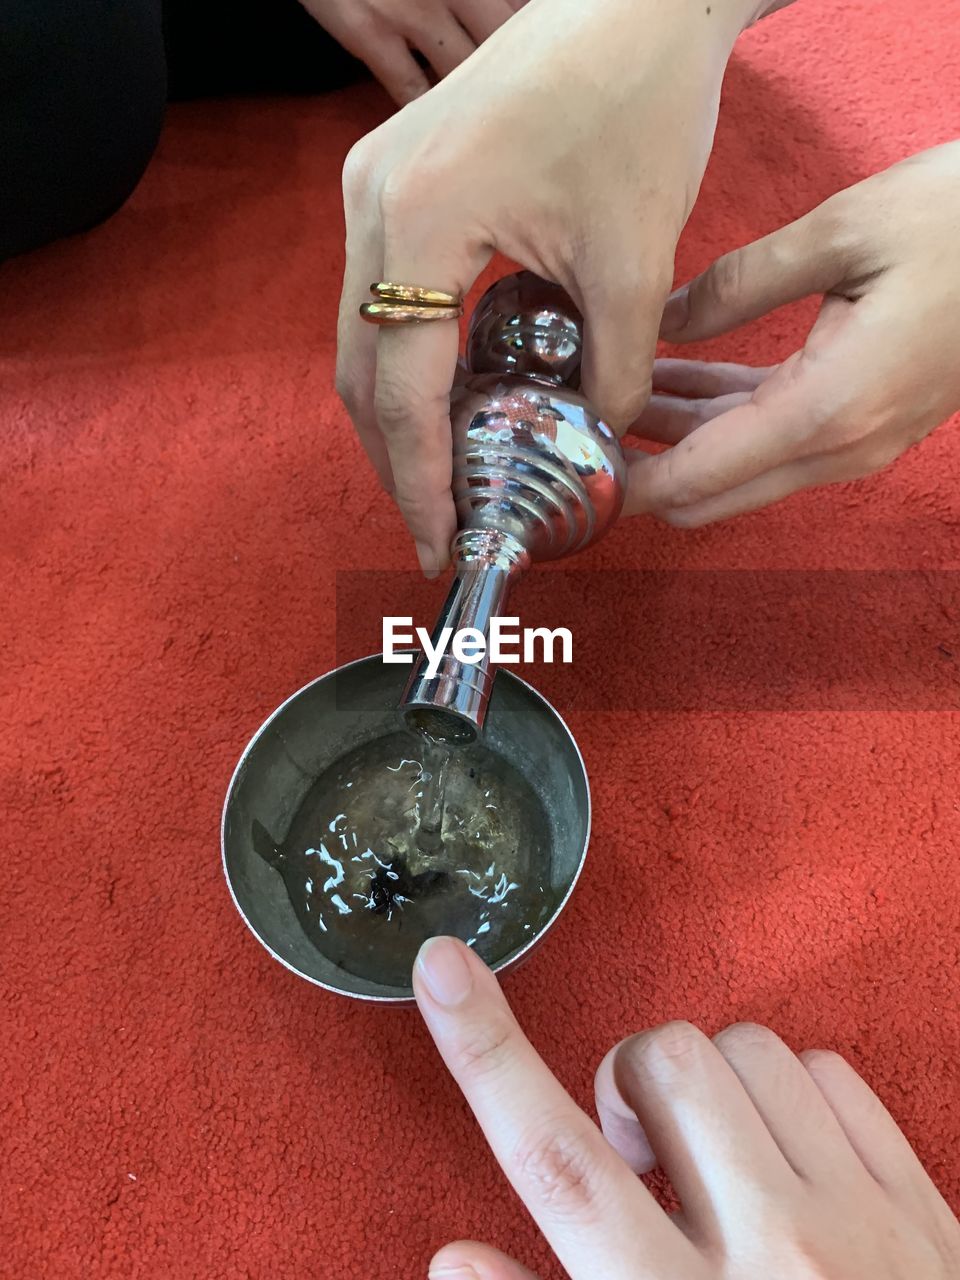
{"x":218,"y":47}
{"x":84,"y":83}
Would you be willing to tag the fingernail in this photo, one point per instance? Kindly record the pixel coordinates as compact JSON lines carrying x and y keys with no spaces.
{"x":445,"y":971}
{"x":428,"y":560}
{"x":453,"y":1273}
{"x":676,"y":312}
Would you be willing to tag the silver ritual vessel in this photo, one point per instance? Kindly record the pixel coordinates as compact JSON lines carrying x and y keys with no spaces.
{"x":536,"y":476}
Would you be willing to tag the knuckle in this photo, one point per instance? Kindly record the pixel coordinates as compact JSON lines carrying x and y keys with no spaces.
{"x":392,"y":399}
{"x":412,"y":89}
{"x":872,"y":464}
{"x":417,"y":507}
{"x":836,"y":436}
{"x":659,"y":281}
{"x":402,"y":192}
{"x":483,"y":1049}
{"x":831,"y":215}
{"x":623,"y":406}
{"x":346,"y":389}
{"x":669,"y":1052}
{"x":555,"y":1163}
{"x":745,"y":1040}
{"x":834,"y":226}
{"x":366,"y":24}
{"x":683,"y":496}
{"x":723,"y":282}
{"x":685,"y":518}
{"x":852,"y":428}
{"x":635,"y":280}
{"x":358,"y":171}
{"x":869,"y":435}
{"x":409,"y":183}
{"x":680,"y":488}
{"x":823,"y":1062}
{"x":877,"y":458}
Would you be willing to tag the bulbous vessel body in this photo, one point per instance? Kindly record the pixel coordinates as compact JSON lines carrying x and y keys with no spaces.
{"x":536,"y":476}
{"x":533,"y":461}
{"x":530,"y":457}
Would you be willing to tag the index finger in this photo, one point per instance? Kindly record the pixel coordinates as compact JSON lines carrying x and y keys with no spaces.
{"x":819,"y":402}
{"x":774,"y":426}
{"x":802,"y":410}
{"x":598,"y":1218}
{"x":416,"y":367}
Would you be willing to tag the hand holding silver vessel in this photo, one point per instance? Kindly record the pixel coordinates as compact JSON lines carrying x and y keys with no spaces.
{"x":536,"y":476}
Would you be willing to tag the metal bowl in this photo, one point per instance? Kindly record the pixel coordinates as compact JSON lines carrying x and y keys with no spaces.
{"x":358,"y":703}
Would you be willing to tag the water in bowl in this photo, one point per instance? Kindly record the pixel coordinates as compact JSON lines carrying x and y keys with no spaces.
{"x":404,"y":838}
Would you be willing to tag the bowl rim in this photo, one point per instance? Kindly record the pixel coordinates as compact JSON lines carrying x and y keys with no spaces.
{"x":501,"y":966}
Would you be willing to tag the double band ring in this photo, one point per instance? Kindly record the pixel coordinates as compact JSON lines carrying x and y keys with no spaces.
{"x":409,"y":304}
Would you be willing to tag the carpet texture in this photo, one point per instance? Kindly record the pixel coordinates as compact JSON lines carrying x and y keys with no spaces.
{"x":178,"y":487}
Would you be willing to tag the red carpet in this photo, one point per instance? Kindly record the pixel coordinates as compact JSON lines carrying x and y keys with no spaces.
{"x":178,"y":485}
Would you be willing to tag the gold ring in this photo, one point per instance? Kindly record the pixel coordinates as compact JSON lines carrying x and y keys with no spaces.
{"x":409,"y":304}
{"x":387,"y":291}
{"x":400,"y":313}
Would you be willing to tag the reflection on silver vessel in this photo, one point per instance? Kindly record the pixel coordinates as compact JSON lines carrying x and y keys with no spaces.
{"x":536,"y":476}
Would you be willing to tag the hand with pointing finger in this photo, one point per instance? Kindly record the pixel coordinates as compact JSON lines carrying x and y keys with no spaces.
{"x":880,"y":369}
{"x":785,"y":1166}
{"x":573,"y":141}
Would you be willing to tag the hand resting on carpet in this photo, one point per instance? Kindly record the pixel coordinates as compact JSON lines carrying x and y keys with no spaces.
{"x":784,"y":1166}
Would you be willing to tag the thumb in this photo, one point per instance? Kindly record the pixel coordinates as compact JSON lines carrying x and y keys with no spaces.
{"x":815,"y":254}
{"x":621,"y":317}
{"x":468,"y":1261}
